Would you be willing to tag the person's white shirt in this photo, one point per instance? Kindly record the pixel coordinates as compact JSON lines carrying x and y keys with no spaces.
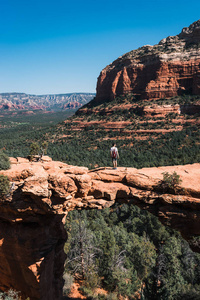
{"x":114,"y":149}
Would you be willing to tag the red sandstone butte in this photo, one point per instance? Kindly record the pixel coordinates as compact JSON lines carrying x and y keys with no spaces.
{"x":170,"y":68}
{"x":32,"y":234}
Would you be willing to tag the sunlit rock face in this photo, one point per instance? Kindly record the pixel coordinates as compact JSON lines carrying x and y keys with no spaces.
{"x":32,"y":233}
{"x":170,"y":68}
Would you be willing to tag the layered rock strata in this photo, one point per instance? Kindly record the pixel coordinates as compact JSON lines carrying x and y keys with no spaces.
{"x":42,"y":193}
{"x":170,"y":68}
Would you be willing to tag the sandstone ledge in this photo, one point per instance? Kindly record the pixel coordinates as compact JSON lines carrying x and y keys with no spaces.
{"x":42,"y":193}
{"x":52,"y":187}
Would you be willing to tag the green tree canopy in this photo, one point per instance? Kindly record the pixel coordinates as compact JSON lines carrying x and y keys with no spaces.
{"x":4,"y":161}
{"x":4,"y":185}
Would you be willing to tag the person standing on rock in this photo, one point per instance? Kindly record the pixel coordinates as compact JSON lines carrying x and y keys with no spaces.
{"x":114,"y":155}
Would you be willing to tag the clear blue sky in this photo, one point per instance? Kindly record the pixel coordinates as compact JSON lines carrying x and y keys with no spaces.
{"x":61,"y":46}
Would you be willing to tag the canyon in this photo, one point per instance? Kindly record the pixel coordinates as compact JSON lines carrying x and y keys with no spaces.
{"x":42,"y":193}
{"x":165,"y":70}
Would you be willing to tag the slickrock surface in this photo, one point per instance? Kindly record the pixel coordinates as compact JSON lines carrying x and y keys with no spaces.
{"x":32,"y":217}
{"x":170,"y":68}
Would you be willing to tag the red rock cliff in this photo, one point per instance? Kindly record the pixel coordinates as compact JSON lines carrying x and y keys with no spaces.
{"x":168,"y":69}
{"x":32,"y":233}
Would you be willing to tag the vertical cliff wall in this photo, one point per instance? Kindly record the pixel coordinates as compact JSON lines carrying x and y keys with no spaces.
{"x":167,"y":69}
{"x":32,"y":256}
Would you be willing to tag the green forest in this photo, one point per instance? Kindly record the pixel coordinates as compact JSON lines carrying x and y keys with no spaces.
{"x":130,"y":254}
{"x":181,"y":147}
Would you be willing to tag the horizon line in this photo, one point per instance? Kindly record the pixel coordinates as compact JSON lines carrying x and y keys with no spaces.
{"x":31,"y":94}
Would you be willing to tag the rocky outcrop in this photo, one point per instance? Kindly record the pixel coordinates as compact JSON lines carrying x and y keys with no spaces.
{"x":32,"y":234}
{"x":164,"y":110}
{"x":167,"y":69}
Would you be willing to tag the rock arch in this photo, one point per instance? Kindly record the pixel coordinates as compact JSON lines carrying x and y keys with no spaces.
{"x":32,"y":233}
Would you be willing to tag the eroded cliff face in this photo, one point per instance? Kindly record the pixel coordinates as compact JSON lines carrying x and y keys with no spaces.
{"x":32,"y":233}
{"x":167,"y":69}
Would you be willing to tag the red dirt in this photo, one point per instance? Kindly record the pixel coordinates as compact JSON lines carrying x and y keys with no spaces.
{"x":75,"y":293}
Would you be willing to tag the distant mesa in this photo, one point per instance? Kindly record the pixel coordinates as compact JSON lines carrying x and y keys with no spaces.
{"x":56,"y":102}
{"x":168,"y":69}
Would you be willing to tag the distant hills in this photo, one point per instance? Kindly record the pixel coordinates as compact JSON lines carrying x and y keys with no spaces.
{"x":52,"y":102}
